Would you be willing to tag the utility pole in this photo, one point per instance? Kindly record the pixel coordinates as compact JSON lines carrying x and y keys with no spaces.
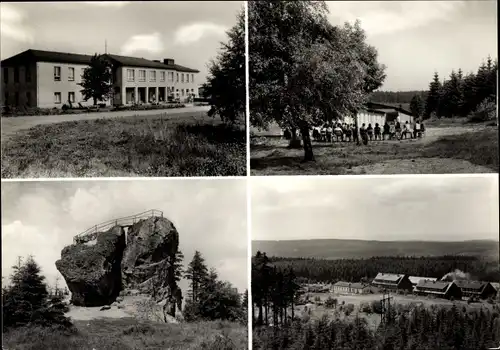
{"x":386,"y":308}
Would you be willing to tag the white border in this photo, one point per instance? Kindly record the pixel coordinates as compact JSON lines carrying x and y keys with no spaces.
{"x":247,"y":89}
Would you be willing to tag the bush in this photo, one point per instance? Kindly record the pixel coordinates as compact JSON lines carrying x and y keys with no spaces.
{"x":331,"y":302}
{"x":366,"y":308}
{"x":376,"y":306}
{"x":485,"y":111}
{"x":349,"y":309}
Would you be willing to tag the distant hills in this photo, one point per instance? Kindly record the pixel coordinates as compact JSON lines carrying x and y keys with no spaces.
{"x":356,"y":249}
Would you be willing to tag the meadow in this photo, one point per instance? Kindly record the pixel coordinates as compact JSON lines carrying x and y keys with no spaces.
{"x":158,"y":145}
{"x":130,"y":334}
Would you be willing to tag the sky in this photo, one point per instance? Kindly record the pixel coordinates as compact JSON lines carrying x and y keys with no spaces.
{"x":188,"y":31}
{"x":430,"y":208}
{"x":416,"y":38}
{"x":41,"y":218}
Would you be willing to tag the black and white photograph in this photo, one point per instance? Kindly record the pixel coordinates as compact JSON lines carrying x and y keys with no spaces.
{"x":373,"y":87}
{"x":123,"y":89}
{"x":118,"y":265}
{"x":375,"y":263}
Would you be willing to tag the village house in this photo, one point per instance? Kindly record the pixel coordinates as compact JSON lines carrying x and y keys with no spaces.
{"x":415,"y":279}
{"x":477,"y":289}
{"x":373,"y":113}
{"x":352,"y":288}
{"x":49,"y":79}
{"x":440,"y":289}
{"x":389,"y":281}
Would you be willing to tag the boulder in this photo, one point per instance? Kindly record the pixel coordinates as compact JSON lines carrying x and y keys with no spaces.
{"x":122,"y":263}
{"x":92,"y":273}
{"x":151,"y":245}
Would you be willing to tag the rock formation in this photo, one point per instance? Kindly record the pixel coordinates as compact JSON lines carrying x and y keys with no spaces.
{"x":137,"y":259}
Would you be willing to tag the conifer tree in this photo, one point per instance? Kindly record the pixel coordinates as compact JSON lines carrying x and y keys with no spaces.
{"x":433,"y":96}
{"x":197,"y":273}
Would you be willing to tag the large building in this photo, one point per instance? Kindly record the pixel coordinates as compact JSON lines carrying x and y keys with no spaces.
{"x":389,"y":281}
{"x":438,"y":289}
{"x":477,"y":289}
{"x":415,"y":279}
{"x":48,"y":79}
{"x":373,"y":113}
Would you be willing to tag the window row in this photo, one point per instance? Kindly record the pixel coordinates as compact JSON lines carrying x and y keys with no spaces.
{"x":71,"y":97}
{"x":152,"y":76}
{"x":27,"y":75}
{"x":71,"y":73}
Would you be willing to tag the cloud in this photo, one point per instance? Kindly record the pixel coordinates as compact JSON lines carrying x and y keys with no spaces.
{"x":12,"y":24}
{"x":192,"y":33}
{"x":107,"y":3}
{"x":143,"y":42}
{"x":392,"y":16}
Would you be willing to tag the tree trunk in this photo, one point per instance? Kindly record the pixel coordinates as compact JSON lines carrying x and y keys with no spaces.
{"x":308,"y":150}
{"x":356,"y":132}
{"x":259,"y":317}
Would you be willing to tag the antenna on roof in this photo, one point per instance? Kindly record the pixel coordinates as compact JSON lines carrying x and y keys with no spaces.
{"x":105,"y":46}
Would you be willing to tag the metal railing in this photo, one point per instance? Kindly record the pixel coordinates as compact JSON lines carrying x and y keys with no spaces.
{"x":91,"y":233}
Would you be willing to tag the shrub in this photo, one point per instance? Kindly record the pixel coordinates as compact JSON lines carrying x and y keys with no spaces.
{"x":376,"y":306}
{"x":485,"y":111}
{"x":349,"y":309}
{"x":331,"y":302}
{"x":366,"y":308}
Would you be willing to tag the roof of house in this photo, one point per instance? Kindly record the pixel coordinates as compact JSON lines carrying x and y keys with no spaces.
{"x":438,"y":286}
{"x":62,"y":57}
{"x":416,"y":279}
{"x":477,"y":285}
{"x":381,"y":106}
{"x":342,"y":284}
{"x":388,"y":277}
{"x":359,"y":285}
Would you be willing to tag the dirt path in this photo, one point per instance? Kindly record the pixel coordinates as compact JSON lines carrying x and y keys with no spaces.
{"x":11,"y":125}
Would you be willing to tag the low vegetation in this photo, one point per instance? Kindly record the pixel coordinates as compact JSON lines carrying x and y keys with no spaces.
{"x":132,"y":146}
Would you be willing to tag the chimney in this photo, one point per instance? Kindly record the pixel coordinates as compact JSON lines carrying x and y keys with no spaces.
{"x":168,"y":61}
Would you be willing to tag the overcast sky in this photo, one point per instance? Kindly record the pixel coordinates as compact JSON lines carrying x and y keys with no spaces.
{"x":416,"y":38}
{"x":433,"y":208}
{"x":41,"y":218}
{"x":186,"y":31}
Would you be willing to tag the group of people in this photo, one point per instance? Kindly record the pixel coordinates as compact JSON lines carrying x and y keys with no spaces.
{"x":330,"y":132}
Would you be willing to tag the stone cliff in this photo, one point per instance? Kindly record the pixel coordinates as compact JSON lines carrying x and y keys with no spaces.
{"x":136,"y":257}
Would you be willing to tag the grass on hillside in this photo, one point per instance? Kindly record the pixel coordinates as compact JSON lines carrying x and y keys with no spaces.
{"x":479,"y":147}
{"x":128,"y":334}
{"x":131,"y":146}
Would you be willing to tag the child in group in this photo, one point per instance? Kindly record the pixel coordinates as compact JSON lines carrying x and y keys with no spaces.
{"x":392,"y":131}
{"x":378,"y":134}
{"x":329,"y":131}
{"x":406,"y":130}
{"x":347,"y":132}
{"x":387,"y":130}
{"x":363,"y":134}
{"x":398,"y":130}
{"x":354,"y":133}
{"x":422,"y":128}
{"x":369,"y":131}
{"x":338,"y":132}
{"x":417,"y":131}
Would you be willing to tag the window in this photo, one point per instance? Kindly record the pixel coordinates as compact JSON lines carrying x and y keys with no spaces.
{"x":192,"y":78}
{"x":162,"y":76}
{"x":83,"y":72}
{"x":27,"y":73}
{"x":5,"y":75}
{"x":71,"y":74}
{"x":130,"y":75}
{"x":16,"y":75}
{"x":177,"y":80}
{"x":57,"y":73}
{"x":152,"y":75}
{"x":71,"y":97}
{"x":187,"y":78}
{"x":171,"y":77}
{"x":28,"y":98}
{"x":182,"y":92}
{"x":182,"y":78}
{"x":142,"y":75}
{"x":57,"y":97}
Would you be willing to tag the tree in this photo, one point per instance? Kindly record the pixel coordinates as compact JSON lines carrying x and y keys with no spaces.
{"x":226,"y":83}
{"x":433,"y":97}
{"x":97,"y":80}
{"x":197,"y":273}
{"x":26,"y":300}
{"x":417,"y":106}
{"x":303,"y":70}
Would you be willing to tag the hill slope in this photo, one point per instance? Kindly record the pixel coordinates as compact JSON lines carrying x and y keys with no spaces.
{"x":355,"y":249}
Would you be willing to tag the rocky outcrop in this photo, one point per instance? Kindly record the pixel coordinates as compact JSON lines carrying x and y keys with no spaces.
{"x":93,"y":272}
{"x":137,"y":258}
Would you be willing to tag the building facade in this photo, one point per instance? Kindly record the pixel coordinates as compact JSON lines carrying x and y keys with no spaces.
{"x":440,"y":289}
{"x":48,"y":79}
{"x":376,"y":113}
{"x":476,"y":289}
{"x":351,"y":288}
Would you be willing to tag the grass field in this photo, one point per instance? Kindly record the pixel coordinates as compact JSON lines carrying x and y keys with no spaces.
{"x":194,"y":145}
{"x":448,"y":147}
{"x":355,"y":249}
{"x":128,"y":334}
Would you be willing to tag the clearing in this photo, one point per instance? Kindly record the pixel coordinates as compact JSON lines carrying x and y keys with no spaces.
{"x":166,"y":144}
{"x":447,"y":148}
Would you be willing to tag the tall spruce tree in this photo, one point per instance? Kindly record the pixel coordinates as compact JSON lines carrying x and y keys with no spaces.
{"x":197,"y":273}
{"x":433,"y":97}
{"x":417,"y":106}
